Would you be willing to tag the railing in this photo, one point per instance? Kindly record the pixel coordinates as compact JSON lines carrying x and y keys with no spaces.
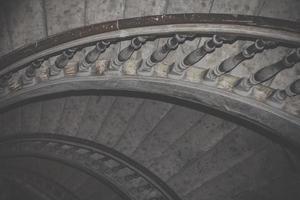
{"x":75,"y":56}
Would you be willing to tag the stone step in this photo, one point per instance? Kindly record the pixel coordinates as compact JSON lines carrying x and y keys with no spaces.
{"x":51,"y":112}
{"x":246,"y":175}
{"x":11,"y":122}
{"x":236,"y":147}
{"x":195,"y":143}
{"x":71,"y":116}
{"x":145,"y":120}
{"x":98,"y":108}
{"x":171,"y":127}
{"x":31,"y":117}
{"x":274,"y":190}
{"x":121,"y":113}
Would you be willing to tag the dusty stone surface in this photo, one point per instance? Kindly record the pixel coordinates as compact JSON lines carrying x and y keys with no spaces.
{"x":172,"y":127}
{"x":5,"y":40}
{"x":243,"y":174}
{"x":192,"y":151}
{"x":103,"y":10}
{"x":11,"y":122}
{"x":73,"y":110}
{"x":135,"y":8}
{"x":25,"y":21}
{"x":219,"y":159}
{"x":190,"y":6}
{"x":282,"y":9}
{"x":243,"y":7}
{"x":117,"y":120}
{"x":31,"y":116}
{"x":50,"y":114}
{"x":94,"y":115}
{"x":63,"y":15}
{"x":144,"y":121}
{"x":192,"y":145}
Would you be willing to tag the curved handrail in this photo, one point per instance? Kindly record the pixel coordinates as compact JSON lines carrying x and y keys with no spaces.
{"x":92,"y":161}
{"x":243,"y":25}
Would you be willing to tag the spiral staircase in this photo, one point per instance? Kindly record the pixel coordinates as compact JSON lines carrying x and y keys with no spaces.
{"x":131,"y":99}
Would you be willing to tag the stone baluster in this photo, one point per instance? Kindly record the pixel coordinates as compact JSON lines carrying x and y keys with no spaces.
{"x":62,"y":61}
{"x":232,"y":62}
{"x":127,"y":52}
{"x":162,"y":52}
{"x":293,"y":89}
{"x":195,"y":56}
{"x":30,"y":71}
{"x":270,"y":71}
{"x":93,"y":55}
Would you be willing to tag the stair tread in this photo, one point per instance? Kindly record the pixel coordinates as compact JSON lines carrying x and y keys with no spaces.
{"x":98,"y":107}
{"x":116,"y":121}
{"x":249,"y":174}
{"x":170,"y":128}
{"x":144,"y":121}
{"x":50,"y":116}
{"x":274,"y":190}
{"x":31,"y":116}
{"x":234,"y":148}
{"x":200,"y":139}
{"x":12,"y":121}
{"x":73,"y":110}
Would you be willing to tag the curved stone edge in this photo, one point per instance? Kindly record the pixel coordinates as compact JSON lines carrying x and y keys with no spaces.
{"x":275,"y":124}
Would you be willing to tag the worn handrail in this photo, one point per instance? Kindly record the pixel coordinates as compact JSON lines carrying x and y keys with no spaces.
{"x":254,"y":26}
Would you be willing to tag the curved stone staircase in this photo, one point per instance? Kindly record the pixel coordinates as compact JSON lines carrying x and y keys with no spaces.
{"x":188,"y":106}
{"x":196,"y":154}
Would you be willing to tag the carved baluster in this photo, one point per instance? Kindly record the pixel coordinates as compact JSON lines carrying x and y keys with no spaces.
{"x":270,"y":71}
{"x":279,"y":96}
{"x":93,"y":55}
{"x":61,"y":61}
{"x":31,"y":71}
{"x":15,"y":81}
{"x":161,"y":53}
{"x":127,"y":52}
{"x":195,"y":56}
{"x":232,"y":62}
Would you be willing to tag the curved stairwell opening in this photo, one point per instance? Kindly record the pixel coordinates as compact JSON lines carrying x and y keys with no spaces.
{"x":134,"y":100}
